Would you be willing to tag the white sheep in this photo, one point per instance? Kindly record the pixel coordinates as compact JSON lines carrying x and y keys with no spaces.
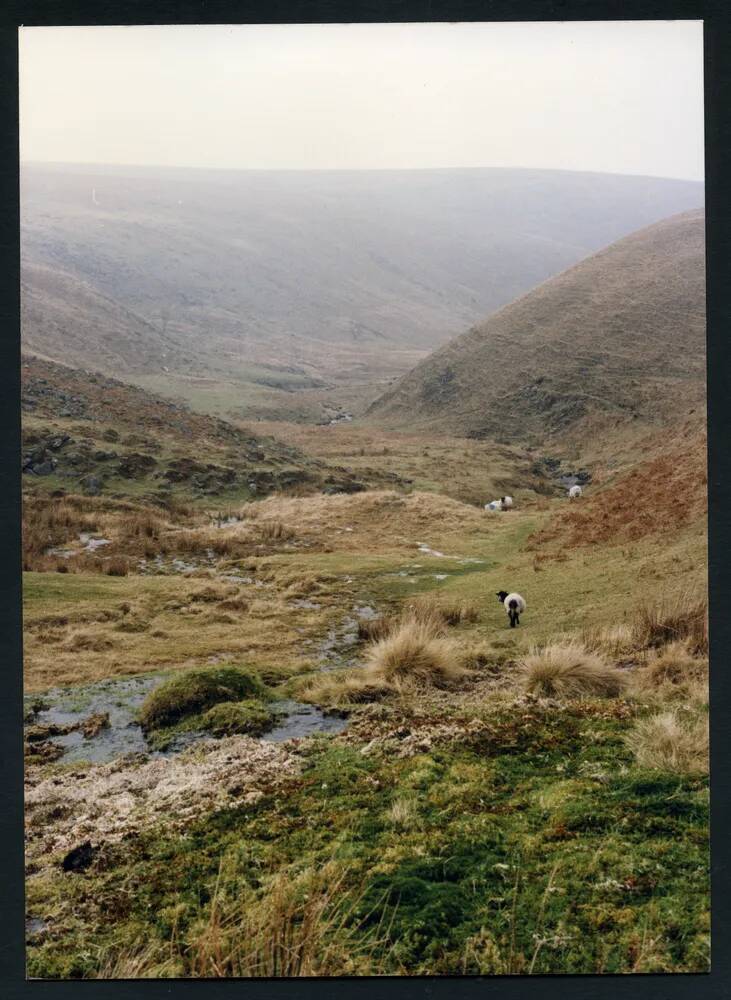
{"x":514,"y":605}
{"x":502,"y":504}
{"x":574,"y":492}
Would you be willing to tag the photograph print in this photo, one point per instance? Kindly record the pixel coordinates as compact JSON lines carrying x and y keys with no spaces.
{"x":364,"y":500}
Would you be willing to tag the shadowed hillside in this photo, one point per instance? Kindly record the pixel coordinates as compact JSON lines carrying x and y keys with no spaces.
{"x":86,"y":432}
{"x":262,"y":292}
{"x":620,"y":338}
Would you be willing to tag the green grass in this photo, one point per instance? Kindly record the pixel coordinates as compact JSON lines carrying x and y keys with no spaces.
{"x":546,"y":851}
{"x":194,"y":691}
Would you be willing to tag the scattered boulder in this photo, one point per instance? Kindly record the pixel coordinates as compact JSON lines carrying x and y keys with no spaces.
{"x":135,"y":465}
{"x":45,"y":468}
{"x":91,"y":485}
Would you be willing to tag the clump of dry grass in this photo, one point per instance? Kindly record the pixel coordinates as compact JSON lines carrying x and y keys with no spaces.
{"x":140,"y":525}
{"x":47,"y":523}
{"x":275,"y":531}
{"x":673,"y":740}
{"x":87,"y":642}
{"x":570,"y":670}
{"x":432,"y":615}
{"x":302,"y":925}
{"x":403,"y":813}
{"x":338,"y":691}
{"x":674,"y":664}
{"x":414,"y":656}
{"x":682,"y":617}
{"x":234,"y":604}
{"x":116,"y":566}
{"x":375,"y":629}
{"x":614,"y":641}
{"x":673,"y":673}
{"x":427,"y":607}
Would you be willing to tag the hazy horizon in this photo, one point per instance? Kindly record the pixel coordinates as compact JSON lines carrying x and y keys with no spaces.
{"x":619,"y":97}
{"x":340,"y":170}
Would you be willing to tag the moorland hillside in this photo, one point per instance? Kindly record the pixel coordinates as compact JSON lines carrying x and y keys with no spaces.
{"x":616,"y":342}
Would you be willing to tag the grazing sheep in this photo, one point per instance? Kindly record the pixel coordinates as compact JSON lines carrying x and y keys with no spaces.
{"x":514,"y":605}
{"x":574,"y":492}
{"x":504,"y":503}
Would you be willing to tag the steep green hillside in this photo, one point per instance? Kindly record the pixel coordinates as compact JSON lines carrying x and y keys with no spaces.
{"x":618,"y":341}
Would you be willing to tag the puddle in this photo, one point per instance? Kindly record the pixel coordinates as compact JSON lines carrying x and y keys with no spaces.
{"x":302,"y":720}
{"x":336,"y":649}
{"x":61,"y":553}
{"x":91,"y":544}
{"x":34,"y":926}
{"x":431,"y":552}
{"x":301,"y":602}
{"x":121,"y":698}
{"x":366,"y":612}
{"x":339,"y":641}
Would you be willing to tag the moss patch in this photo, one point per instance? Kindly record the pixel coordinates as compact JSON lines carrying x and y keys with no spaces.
{"x":195,"y":691}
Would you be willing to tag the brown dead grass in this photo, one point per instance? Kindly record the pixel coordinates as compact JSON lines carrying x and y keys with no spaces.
{"x":570,"y":670}
{"x":681,"y":617}
{"x":658,"y":496}
{"x":675,"y":740}
{"x":302,"y":924}
{"x":414,"y":656}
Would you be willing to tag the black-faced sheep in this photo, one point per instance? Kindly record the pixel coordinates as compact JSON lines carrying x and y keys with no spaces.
{"x":514,"y":605}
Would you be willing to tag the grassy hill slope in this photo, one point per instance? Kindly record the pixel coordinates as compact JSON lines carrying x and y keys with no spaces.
{"x":617,"y":340}
{"x":86,"y":432}
{"x":291,"y":283}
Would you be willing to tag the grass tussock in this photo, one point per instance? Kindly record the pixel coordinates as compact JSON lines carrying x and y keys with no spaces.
{"x":673,"y":740}
{"x":414,"y":656}
{"x":684,"y":617}
{"x":614,"y":641}
{"x":229,"y":718}
{"x":195,"y":691}
{"x":674,"y":664}
{"x":428,"y":608}
{"x":673,"y":673}
{"x":90,"y":642}
{"x":570,"y":670}
{"x":302,"y":925}
{"x":342,"y":690}
{"x":429,"y":614}
{"x":275,"y":531}
{"x":375,"y":629}
{"x":116,"y":566}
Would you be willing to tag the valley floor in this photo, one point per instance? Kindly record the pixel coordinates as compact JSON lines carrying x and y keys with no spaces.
{"x":470,"y":818}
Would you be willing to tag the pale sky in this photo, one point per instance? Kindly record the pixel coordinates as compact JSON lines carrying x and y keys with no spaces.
{"x":621,"y":97}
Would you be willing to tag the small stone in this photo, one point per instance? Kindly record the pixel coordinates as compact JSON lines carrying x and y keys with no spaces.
{"x":79,"y":858}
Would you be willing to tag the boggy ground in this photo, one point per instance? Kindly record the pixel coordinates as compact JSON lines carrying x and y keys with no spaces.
{"x":487,"y":809}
